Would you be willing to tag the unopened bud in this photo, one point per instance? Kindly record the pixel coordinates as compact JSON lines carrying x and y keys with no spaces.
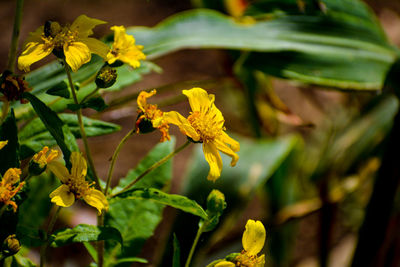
{"x":106,"y":77}
{"x":11,"y":246}
{"x":216,"y":202}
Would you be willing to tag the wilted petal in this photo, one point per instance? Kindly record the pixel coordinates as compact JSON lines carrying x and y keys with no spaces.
{"x":33,"y":52}
{"x":214,"y":160}
{"x":84,"y":25}
{"x":96,"y":199}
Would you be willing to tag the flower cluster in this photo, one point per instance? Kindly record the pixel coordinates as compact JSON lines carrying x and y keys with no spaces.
{"x":73,"y":44}
{"x":10,"y":186}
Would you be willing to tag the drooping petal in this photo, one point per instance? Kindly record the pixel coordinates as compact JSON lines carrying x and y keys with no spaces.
{"x":33,"y":52}
{"x":62,"y":196}
{"x":79,"y":166}
{"x":11,"y":176}
{"x":221,"y":146}
{"x":96,"y":46}
{"x":235,"y":146}
{"x":199,"y":99}
{"x":59,"y":170}
{"x":253,"y":237}
{"x":225,"y":264}
{"x":96,"y":198}
{"x":214,"y":160}
{"x":174,"y":117}
{"x":76,"y":54}
{"x":84,"y":25}
{"x":142,"y":99}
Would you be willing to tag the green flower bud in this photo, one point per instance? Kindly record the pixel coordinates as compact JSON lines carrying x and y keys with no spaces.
{"x":106,"y":77}
{"x":216,"y":202}
{"x":11,"y":246}
{"x":35,"y":168}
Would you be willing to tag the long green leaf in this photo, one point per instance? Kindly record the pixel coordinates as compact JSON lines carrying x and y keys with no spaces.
{"x":158,"y":196}
{"x":333,"y":40}
{"x":9,"y":155}
{"x":85,"y":233}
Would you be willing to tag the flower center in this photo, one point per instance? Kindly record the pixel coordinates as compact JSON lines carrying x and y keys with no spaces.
{"x":78,"y":187}
{"x":206,"y":125}
{"x":58,"y":36}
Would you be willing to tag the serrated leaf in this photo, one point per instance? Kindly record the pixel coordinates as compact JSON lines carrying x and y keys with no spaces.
{"x":35,"y":135}
{"x":61,"y":133}
{"x":177,"y":201}
{"x":84,"y":233}
{"x":9,"y":155}
{"x":137,"y":219}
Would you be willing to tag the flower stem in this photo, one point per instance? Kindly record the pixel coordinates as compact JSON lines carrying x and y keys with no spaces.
{"x":100,"y":244}
{"x":82,"y":128}
{"x":152,"y":167}
{"x":114,"y":158}
{"x":49,"y":231}
{"x":90,"y":94}
{"x":192,"y":249}
{"x":12,"y":55}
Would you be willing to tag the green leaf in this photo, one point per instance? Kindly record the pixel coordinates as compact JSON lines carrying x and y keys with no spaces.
{"x":35,"y":135}
{"x":85,"y":233}
{"x":60,"y":132}
{"x":60,"y":89}
{"x":137,"y":219}
{"x":315,"y":42}
{"x":96,"y":103}
{"x":9,"y":155}
{"x":158,"y":196}
{"x":176,"y":260}
{"x":132,"y":259}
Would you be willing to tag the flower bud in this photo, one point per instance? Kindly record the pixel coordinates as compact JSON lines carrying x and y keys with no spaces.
{"x":106,"y":77}
{"x":216,"y":202}
{"x":143,"y":124}
{"x":11,"y":246}
{"x":39,"y":161}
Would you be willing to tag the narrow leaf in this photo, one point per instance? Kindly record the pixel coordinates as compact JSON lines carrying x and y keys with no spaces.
{"x":176,"y":260}
{"x":176,"y":201}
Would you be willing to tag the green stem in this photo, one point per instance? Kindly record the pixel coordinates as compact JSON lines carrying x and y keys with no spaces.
{"x":49,"y":231}
{"x":4,"y":109}
{"x":82,"y":128}
{"x":100,"y":244}
{"x":114,"y":158}
{"x":152,"y":167}
{"x":90,"y":94}
{"x":15,"y":36}
{"x":193,"y":248}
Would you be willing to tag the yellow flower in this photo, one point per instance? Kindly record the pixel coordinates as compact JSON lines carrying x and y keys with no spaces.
{"x":42,"y":158}
{"x":124,"y":48}
{"x":150,"y":117}
{"x":74,"y":185}
{"x":206,"y":125}
{"x":7,"y":188}
{"x":72,"y":41}
{"x":3,"y":144}
{"x":253,"y":240}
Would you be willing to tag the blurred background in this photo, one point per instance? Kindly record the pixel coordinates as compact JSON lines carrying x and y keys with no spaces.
{"x":309,"y":157}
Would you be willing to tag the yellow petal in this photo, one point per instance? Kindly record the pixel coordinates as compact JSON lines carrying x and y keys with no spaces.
{"x":253,"y":237}
{"x":221,"y":146}
{"x":36,"y":36}
{"x":142,"y":99}
{"x":96,"y":198}
{"x":12,"y":176}
{"x":76,"y":54}
{"x":3,"y":144}
{"x":59,"y":170}
{"x":95,"y":46}
{"x":84,"y":25}
{"x":235,"y":146}
{"x":225,"y":264}
{"x":62,"y":196}
{"x":174,"y":117}
{"x":214,"y":160}
{"x":33,"y":52}
{"x":79,"y":167}
{"x":132,"y":57}
{"x":260,"y":261}
{"x":199,"y":99}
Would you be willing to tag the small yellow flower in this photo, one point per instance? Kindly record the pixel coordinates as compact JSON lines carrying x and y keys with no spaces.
{"x":8,"y":189}
{"x":253,"y":240}
{"x":150,"y":117}
{"x":206,"y":125}
{"x":3,"y":144}
{"x":72,"y":41}
{"x":42,"y":158}
{"x":74,"y":185}
{"x":124,"y":48}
